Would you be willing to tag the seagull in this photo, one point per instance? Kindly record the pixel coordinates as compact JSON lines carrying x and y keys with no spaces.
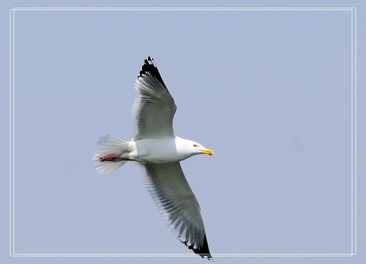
{"x":159,"y":152}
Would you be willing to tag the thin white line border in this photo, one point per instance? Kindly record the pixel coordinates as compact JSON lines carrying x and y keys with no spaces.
{"x":183,"y":9}
{"x":352,"y":10}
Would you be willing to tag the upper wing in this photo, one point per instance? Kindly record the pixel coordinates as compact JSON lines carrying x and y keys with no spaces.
{"x":170,"y":190}
{"x":154,"y":108}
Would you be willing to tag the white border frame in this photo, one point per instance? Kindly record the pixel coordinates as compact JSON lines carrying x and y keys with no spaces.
{"x":353,"y":228}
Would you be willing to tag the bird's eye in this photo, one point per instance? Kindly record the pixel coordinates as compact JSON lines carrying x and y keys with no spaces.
{"x":195,"y":145}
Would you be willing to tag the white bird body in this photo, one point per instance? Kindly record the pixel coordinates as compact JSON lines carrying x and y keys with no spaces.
{"x":159,"y":152}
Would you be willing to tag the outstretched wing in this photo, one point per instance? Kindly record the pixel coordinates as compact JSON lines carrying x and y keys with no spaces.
{"x":170,"y":190}
{"x":154,"y":108}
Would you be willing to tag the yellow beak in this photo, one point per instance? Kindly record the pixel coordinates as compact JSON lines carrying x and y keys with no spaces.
{"x":208,"y":151}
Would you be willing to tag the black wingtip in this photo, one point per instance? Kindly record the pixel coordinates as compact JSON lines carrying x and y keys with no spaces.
{"x":150,"y":67}
{"x":203,"y":251}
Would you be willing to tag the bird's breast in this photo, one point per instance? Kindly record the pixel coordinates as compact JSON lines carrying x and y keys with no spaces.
{"x":156,"y":151}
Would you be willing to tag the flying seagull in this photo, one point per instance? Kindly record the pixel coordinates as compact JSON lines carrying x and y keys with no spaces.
{"x":159,"y":152}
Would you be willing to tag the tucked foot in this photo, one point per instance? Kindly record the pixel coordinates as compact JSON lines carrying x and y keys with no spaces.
{"x":109,"y":157}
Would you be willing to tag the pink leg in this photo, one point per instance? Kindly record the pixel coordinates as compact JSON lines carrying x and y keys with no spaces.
{"x":111,"y":157}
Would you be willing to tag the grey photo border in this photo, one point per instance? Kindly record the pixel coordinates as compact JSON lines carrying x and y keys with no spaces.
{"x":353,"y":147}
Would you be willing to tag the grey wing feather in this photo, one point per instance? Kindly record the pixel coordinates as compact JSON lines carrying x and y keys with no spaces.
{"x":154,"y":108}
{"x":172,"y":194}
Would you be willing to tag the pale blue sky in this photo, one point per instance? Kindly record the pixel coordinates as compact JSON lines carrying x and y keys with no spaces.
{"x":270,"y":92}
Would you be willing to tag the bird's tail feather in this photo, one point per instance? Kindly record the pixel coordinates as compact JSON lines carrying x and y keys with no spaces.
{"x":107,"y":156}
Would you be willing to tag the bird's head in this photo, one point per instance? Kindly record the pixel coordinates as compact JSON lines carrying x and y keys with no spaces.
{"x":196,"y":148}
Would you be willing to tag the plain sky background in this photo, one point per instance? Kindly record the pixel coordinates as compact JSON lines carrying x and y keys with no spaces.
{"x":270,"y":92}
